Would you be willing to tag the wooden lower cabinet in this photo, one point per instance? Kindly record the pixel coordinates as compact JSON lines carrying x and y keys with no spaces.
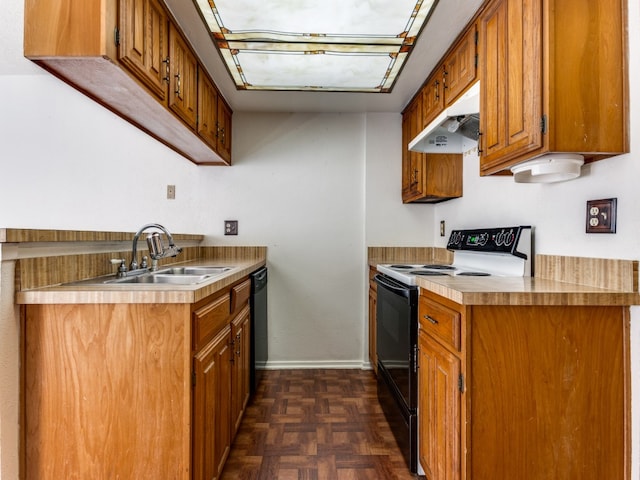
{"x":133,"y":390}
{"x":440,"y":399}
{"x":212,"y":407}
{"x":240,"y":365}
{"x":532,"y":392}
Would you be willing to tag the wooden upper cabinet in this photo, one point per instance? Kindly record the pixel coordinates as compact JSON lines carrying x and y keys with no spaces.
{"x":553,"y":79}
{"x":143,"y":43}
{"x":207,"y":110}
{"x":432,"y":97}
{"x":460,"y":66}
{"x":511,"y":85}
{"x":426,"y":177}
{"x":115,"y":52}
{"x":183,"y":78}
{"x":224,"y":130}
{"x":406,"y":154}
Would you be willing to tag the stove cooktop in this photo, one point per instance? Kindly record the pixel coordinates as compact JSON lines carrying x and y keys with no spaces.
{"x":478,"y":253}
{"x":407,"y":273}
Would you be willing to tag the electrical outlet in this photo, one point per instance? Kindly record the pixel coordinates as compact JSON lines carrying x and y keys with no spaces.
{"x":231,"y":227}
{"x":171,"y":192}
{"x":601,"y":215}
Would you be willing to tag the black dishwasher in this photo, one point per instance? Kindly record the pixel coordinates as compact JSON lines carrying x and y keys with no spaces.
{"x":259,"y":345}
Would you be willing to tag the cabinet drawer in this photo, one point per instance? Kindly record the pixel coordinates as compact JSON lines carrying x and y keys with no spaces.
{"x":210,"y":319}
{"x":440,"y":322}
{"x":240,"y":295}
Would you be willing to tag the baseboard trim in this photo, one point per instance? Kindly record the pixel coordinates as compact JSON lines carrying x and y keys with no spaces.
{"x":315,"y":364}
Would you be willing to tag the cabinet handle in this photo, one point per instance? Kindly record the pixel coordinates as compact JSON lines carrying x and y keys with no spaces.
{"x":437,"y":90}
{"x":444,"y":79}
{"x":480,"y":150}
{"x":431,"y":319}
{"x":177,"y":91}
{"x":166,"y":70}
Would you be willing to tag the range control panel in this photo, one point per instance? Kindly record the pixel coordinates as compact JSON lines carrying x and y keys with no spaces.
{"x":496,"y":240}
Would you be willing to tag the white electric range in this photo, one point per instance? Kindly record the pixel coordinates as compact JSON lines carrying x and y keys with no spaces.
{"x":505,"y":251}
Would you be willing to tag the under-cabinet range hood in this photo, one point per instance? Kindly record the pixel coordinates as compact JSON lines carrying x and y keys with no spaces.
{"x":445,"y":134}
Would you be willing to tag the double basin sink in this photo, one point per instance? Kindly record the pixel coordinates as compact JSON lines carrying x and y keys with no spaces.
{"x":172,"y":276}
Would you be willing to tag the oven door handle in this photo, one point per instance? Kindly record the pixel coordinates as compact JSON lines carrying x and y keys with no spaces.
{"x":396,"y":288}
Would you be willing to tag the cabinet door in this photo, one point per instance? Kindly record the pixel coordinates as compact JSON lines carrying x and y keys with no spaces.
{"x":511,"y":87}
{"x":143,"y":43}
{"x":224,"y":130}
{"x":406,"y":155}
{"x":241,"y":339}
{"x":207,"y":110}
{"x":443,"y":176}
{"x":183,"y":78}
{"x":460,"y":67}
{"x":211,"y":406}
{"x":417,"y":159}
{"x":439,"y":402}
{"x":432,"y":97}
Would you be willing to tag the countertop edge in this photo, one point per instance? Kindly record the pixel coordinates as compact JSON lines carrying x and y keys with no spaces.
{"x":73,"y":294}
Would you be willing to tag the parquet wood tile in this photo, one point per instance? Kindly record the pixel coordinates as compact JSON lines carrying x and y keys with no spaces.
{"x":315,"y":425}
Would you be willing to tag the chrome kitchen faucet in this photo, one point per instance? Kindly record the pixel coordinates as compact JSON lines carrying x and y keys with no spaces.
{"x":156,"y":249}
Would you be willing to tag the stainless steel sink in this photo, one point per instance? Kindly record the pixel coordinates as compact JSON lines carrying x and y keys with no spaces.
{"x":167,"y":276}
{"x":193,"y":271}
{"x":160,"y":278}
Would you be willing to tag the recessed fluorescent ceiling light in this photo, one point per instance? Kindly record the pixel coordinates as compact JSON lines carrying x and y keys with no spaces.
{"x":315,"y":45}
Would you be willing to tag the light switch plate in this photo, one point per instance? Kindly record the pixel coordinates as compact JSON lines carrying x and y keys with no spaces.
{"x":601,"y":215}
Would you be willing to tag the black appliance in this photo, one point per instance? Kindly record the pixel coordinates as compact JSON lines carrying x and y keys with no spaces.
{"x":397,"y":347}
{"x":259,"y":343}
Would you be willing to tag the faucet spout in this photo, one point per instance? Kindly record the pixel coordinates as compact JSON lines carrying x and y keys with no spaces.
{"x":171,"y":251}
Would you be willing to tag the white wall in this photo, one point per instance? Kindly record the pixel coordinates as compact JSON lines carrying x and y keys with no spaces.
{"x":297,"y":186}
{"x":316,"y":189}
{"x":388,"y":221}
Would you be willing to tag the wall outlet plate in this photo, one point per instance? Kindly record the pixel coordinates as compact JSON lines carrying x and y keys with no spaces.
{"x":231,"y":227}
{"x":601,"y":215}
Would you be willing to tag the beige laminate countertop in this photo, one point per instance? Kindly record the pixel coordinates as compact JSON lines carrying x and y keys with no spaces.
{"x":522,"y":291}
{"x":142,"y":293}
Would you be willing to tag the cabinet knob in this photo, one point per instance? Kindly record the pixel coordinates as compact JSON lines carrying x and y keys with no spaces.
{"x":166,"y":70}
{"x":177,"y":90}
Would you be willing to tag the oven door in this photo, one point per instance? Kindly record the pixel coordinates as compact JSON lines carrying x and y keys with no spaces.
{"x":397,"y":338}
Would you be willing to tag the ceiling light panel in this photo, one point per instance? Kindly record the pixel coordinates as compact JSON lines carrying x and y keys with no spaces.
{"x":317,"y":45}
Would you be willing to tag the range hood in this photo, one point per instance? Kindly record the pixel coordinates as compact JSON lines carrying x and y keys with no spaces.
{"x":445,"y":134}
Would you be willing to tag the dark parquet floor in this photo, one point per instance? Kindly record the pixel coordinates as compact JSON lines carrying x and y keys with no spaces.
{"x":315,"y":425}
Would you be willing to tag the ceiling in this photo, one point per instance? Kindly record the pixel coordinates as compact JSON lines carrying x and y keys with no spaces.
{"x":311,"y":45}
{"x":447,"y":21}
